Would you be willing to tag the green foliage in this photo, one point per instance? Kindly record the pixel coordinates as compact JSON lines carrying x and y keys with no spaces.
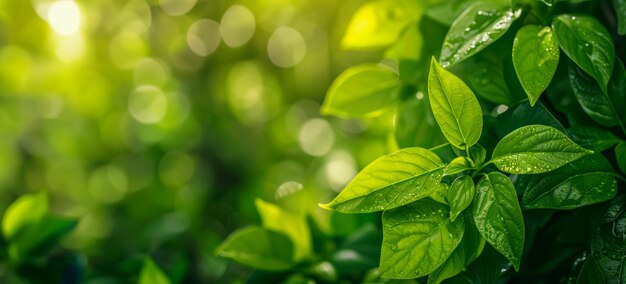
{"x":461,"y":212}
{"x":259,"y":248}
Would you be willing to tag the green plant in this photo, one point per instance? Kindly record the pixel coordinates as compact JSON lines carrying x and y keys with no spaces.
{"x":526,"y":180}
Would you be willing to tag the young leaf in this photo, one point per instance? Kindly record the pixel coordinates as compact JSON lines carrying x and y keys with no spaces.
{"x":585,"y":181}
{"x":391,"y":181}
{"x":592,"y":138}
{"x":151,"y":274}
{"x":378,"y":23}
{"x":478,"y":154}
{"x":417,"y":238}
{"x":258,"y":248}
{"x":458,"y":165}
{"x":455,"y":107}
{"x":498,"y":216}
{"x":290,"y":224}
{"x":24,"y":212}
{"x":585,"y":40}
{"x":620,"y":154}
{"x":469,"y":248}
{"x":535,"y":57}
{"x":591,"y":98}
{"x":620,"y":10}
{"x":361,"y":91}
{"x":460,"y":195}
{"x":535,"y":149}
{"x":476,"y":28}
{"x":607,"y":241}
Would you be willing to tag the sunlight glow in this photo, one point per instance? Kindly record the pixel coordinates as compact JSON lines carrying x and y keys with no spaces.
{"x":64,"y":17}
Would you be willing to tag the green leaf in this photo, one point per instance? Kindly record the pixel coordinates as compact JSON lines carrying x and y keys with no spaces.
{"x":590,"y":273}
{"x":592,"y":138}
{"x":361,"y":91}
{"x":151,"y":274}
{"x":535,"y":149}
{"x":447,"y":11}
{"x":585,"y":181}
{"x":417,"y":238}
{"x":620,"y":154}
{"x":469,"y":248}
{"x":620,"y":10}
{"x":535,"y":57}
{"x":41,"y":237}
{"x":498,"y":216}
{"x":617,"y":93}
{"x":476,"y":28}
{"x":409,"y":44}
{"x":585,"y":40}
{"x":460,"y":195}
{"x":458,"y":165}
{"x":391,"y":181}
{"x":455,"y":107}
{"x":24,"y":212}
{"x":258,"y":248}
{"x":485,"y":269}
{"x":485,"y":75}
{"x":591,"y":98}
{"x":378,"y":23}
{"x":291,"y":224}
{"x":607,"y":241}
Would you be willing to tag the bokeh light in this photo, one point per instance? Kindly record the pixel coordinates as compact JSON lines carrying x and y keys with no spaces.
{"x":286,"y":47}
{"x":64,"y":17}
{"x":237,"y":26}
{"x":204,"y":37}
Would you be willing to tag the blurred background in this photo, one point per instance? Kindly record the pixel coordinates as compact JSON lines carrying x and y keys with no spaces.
{"x":157,"y":123}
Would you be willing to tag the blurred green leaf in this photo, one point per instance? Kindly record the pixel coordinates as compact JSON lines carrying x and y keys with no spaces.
{"x":151,"y":274}
{"x":378,"y":23}
{"x":26,"y":211}
{"x":362,"y":91}
{"x":259,"y":248}
{"x":293,"y":225}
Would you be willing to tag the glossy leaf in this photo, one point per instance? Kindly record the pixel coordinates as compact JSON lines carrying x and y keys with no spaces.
{"x":617,"y":93}
{"x":498,"y":216}
{"x":151,"y":274}
{"x":620,"y":154}
{"x":595,"y":139}
{"x":361,"y":91}
{"x":535,"y":149}
{"x":469,"y":248}
{"x":585,"y":40}
{"x":391,"y":181}
{"x":535,"y":57}
{"x":24,"y":212}
{"x":455,"y":107}
{"x":417,"y":238}
{"x":293,"y":225}
{"x":258,"y":248}
{"x":478,"y":154}
{"x":378,"y":23}
{"x":585,"y":181}
{"x":485,"y":75}
{"x":591,"y":98}
{"x":620,"y":11}
{"x":607,"y":241}
{"x":460,"y":195}
{"x":476,"y":28}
